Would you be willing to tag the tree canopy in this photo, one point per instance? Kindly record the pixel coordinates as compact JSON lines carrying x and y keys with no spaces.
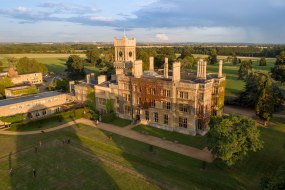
{"x":244,"y":69}
{"x":231,"y":137}
{"x":213,"y":56}
{"x":93,"y":55}
{"x":26,"y":65}
{"x":75,"y":67}
{"x":262,"y":62}
{"x":4,"y":83}
{"x":278,"y":71}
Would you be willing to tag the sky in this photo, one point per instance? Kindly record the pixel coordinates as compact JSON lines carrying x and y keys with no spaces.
{"x":233,"y":21}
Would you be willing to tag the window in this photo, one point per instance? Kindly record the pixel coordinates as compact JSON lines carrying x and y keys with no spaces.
{"x":128,"y":110}
{"x":102,"y":101}
{"x":37,"y":114}
{"x":183,"y":95}
{"x":166,"y":93}
{"x":183,"y":122}
{"x":127,"y":97}
{"x":156,"y":117}
{"x":126,"y":86}
{"x":152,"y":91}
{"x":183,"y":108}
{"x":152,"y":103}
{"x":165,"y":119}
{"x":147,"y":115}
{"x":44,"y":112}
{"x":166,"y":105}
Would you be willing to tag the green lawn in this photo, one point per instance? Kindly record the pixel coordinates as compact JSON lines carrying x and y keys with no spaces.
{"x":195,"y":141}
{"x":48,"y":122}
{"x":119,"y":122}
{"x":93,"y":161}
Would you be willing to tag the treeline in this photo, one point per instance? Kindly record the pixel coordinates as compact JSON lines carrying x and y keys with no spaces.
{"x":249,"y":51}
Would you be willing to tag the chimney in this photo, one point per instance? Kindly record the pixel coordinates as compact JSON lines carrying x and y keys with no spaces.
{"x":88,"y":78}
{"x":137,"y":69}
{"x":151,"y":64}
{"x":202,"y":69}
{"x":71,"y":86}
{"x":220,"y":69}
{"x":101,"y":79}
{"x":176,"y":71}
{"x":166,"y":67}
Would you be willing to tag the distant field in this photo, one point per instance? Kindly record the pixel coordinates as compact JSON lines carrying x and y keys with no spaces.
{"x":56,"y":63}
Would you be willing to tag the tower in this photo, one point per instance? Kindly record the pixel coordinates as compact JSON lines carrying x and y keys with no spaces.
{"x":125,"y":49}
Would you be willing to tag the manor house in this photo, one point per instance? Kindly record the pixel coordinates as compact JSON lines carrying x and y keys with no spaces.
{"x":170,"y":99}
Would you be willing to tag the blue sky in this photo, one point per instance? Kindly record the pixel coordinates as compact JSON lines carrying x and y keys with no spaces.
{"x":249,"y":21}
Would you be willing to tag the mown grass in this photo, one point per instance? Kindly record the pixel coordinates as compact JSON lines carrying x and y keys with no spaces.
{"x":48,"y":122}
{"x":195,"y":141}
{"x":60,"y":166}
{"x":119,"y":122}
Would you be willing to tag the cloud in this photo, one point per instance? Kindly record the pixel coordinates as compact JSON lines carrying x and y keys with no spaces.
{"x":161,"y":37}
{"x":101,"y":18}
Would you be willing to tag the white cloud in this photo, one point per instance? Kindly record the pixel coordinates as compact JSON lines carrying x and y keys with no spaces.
{"x":102,"y":19}
{"x":161,"y":37}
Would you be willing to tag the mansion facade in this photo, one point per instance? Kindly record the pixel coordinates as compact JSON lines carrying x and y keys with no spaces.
{"x":173,"y":100}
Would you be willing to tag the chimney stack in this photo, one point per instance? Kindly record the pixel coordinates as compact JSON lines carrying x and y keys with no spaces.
{"x":166,"y":67}
{"x":151,"y":64}
{"x":220,"y":69}
{"x":101,"y":79}
{"x":202,"y":69}
{"x":176,"y":71}
{"x":88,"y":78}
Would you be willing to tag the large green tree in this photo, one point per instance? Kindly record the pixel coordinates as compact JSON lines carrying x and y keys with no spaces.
{"x":5,"y":82}
{"x":26,"y":65}
{"x":212,"y":58}
{"x":244,"y":69}
{"x":93,"y":55}
{"x":264,"y":107}
{"x":278,"y":71}
{"x":187,"y":62}
{"x":75,"y":67}
{"x":262,"y":62}
{"x":231,"y":137}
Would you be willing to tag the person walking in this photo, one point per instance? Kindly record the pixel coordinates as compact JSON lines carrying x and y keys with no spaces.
{"x":34,"y":173}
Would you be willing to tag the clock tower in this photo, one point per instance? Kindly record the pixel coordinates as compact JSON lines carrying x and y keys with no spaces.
{"x":125,"y":50}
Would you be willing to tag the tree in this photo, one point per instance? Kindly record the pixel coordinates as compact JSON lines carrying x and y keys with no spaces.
{"x":187,"y":62}
{"x":231,"y":137}
{"x":1,"y":66}
{"x":251,"y":93}
{"x":264,"y":106}
{"x":26,"y":65}
{"x":262,"y":62}
{"x":213,"y":56}
{"x":186,"y":51}
{"x":244,"y":69}
{"x":11,"y":61}
{"x":75,"y":67}
{"x":93,"y":55}
{"x":5,"y":82}
{"x":278,"y":71}
{"x":235,"y":60}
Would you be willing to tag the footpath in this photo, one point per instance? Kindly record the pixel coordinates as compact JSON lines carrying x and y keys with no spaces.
{"x":127,"y":131}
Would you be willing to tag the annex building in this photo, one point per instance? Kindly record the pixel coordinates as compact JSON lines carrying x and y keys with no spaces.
{"x":169,"y":99}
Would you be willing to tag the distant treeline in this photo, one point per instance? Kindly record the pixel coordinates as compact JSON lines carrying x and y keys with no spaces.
{"x":250,"y":51}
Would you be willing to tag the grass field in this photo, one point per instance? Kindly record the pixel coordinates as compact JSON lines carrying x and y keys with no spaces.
{"x":120,"y":122}
{"x":93,"y":161}
{"x":195,"y":141}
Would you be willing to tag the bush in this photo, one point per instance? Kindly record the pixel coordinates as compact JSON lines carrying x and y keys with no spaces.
{"x":109,"y":117}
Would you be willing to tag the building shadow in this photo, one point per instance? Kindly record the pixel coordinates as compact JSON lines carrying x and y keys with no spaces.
{"x":60,"y":160}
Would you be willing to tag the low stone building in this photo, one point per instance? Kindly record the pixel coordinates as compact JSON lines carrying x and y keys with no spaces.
{"x":35,"y":106}
{"x":20,"y":91}
{"x":18,"y":79}
{"x":171,"y":100}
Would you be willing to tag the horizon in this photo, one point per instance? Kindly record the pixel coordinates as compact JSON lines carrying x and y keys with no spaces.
{"x":150,"y":21}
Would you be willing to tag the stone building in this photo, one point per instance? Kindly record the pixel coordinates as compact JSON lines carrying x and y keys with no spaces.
{"x":20,"y":91}
{"x":19,"y":79}
{"x":37,"y":105}
{"x":171,"y":100}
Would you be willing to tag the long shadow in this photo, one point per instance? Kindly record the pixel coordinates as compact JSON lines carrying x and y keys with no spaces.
{"x":169,"y":170}
{"x":59,"y":163}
